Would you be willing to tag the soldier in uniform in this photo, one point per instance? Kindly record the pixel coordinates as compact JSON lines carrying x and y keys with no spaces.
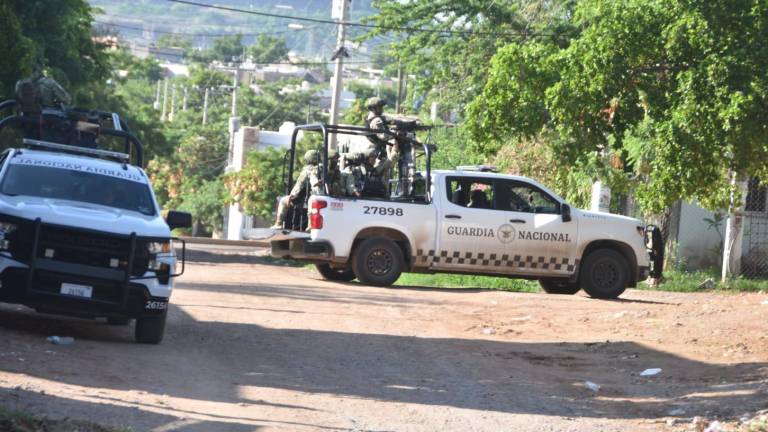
{"x":47,"y":92}
{"x":353,"y":177}
{"x":379,"y":171}
{"x":375,"y":120}
{"x":308,"y":181}
{"x":334,"y":181}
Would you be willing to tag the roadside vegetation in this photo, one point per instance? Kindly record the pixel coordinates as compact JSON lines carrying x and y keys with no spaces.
{"x":674,"y":280}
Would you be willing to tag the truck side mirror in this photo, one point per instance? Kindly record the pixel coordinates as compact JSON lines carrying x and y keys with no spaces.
{"x":565,"y":211}
{"x":176,"y":219}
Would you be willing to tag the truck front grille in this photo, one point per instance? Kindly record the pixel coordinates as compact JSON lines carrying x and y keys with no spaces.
{"x":79,"y":247}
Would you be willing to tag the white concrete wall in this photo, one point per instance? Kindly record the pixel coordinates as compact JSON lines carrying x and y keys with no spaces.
{"x":699,"y":246}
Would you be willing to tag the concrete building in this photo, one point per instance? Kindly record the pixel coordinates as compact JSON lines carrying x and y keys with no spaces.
{"x":247,"y":139}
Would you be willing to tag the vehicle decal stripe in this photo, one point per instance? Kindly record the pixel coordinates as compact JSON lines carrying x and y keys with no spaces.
{"x":425,"y":258}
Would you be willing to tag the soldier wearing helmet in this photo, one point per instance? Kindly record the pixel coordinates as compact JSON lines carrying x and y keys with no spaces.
{"x":43,"y":90}
{"x":352,"y":176}
{"x":375,"y":120}
{"x":378,"y":171}
{"x":308,"y":182}
{"x":334,"y":181}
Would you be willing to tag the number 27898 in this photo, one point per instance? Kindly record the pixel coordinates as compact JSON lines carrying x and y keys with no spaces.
{"x":383,"y":211}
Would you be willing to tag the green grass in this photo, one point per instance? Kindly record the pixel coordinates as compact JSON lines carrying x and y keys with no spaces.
{"x":674,"y":280}
{"x":690,"y":281}
{"x":443,"y":280}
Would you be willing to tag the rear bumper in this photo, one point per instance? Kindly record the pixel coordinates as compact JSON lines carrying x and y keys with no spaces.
{"x":303,"y":249}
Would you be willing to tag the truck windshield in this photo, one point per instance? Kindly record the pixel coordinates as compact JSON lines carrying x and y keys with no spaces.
{"x":57,"y":183}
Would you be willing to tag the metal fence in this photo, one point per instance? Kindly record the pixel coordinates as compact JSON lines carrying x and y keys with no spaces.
{"x":754,"y":234}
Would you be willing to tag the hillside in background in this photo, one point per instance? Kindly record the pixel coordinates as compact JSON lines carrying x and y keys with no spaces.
{"x":146,"y":20}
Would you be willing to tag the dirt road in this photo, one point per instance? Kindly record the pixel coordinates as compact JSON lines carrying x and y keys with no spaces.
{"x":255,"y":346}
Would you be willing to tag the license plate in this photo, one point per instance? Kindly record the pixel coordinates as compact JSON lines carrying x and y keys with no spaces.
{"x":76,"y":290}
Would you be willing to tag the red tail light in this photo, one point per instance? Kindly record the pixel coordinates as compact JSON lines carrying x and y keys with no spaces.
{"x":315,"y":218}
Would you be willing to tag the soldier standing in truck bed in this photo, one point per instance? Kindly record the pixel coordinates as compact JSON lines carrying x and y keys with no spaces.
{"x":308,"y":182}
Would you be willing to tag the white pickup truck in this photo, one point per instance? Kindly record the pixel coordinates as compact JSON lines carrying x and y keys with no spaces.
{"x":475,"y":222}
{"x":81,"y":232}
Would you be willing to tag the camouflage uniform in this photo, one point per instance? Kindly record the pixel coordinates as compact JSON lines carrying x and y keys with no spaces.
{"x":353,"y":177}
{"x":310,"y":176}
{"x":379,"y":172}
{"x":334,"y":181}
{"x":375,"y":120}
{"x":52,"y":94}
{"x":47,"y":92}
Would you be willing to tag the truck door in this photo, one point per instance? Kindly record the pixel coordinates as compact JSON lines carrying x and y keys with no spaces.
{"x":468,"y":227}
{"x":535,"y":235}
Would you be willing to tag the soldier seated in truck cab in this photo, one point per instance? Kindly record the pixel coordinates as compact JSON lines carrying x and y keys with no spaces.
{"x":478,"y":199}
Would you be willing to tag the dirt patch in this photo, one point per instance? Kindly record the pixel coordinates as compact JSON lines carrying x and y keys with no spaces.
{"x":252,"y":345}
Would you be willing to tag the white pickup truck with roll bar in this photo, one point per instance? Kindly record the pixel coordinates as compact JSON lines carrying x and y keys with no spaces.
{"x":469,"y":221}
{"x":81,"y":233}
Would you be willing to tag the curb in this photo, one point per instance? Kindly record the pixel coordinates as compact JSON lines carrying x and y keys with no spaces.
{"x":222,"y":242}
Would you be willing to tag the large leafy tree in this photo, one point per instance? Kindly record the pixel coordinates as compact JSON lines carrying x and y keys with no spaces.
{"x":57,"y":32}
{"x":675,"y":93}
{"x":268,"y":49}
{"x":450,"y":58}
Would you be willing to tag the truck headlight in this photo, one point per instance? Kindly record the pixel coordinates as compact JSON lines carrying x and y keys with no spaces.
{"x":159,"y":247}
{"x":6,"y":228}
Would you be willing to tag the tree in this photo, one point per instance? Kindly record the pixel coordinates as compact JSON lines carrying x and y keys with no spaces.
{"x":15,"y":51}
{"x":454,"y":65}
{"x":170,"y":40}
{"x":225,"y":49}
{"x":675,"y":92}
{"x":58,"y":32}
{"x":268,"y":49}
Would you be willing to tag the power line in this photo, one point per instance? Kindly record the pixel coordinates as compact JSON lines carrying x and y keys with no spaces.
{"x":358,"y":24}
{"x":123,"y":26}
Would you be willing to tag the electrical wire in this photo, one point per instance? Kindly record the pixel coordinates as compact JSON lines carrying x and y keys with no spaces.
{"x":363,"y":25}
{"x":141,"y":29}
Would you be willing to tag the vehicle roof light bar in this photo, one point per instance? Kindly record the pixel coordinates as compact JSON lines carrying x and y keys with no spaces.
{"x":478,"y":168}
{"x":121,"y":157}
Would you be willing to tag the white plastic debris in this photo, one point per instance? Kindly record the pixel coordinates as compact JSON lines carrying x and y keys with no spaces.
{"x":764,"y":302}
{"x":708,"y":284}
{"x":650,"y":372}
{"x":592,"y":386}
{"x":61,"y":340}
{"x":488,"y":331}
{"x":715,"y":426}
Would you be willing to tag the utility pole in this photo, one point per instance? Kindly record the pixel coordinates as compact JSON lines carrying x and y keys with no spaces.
{"x":173,"y":102}
{"x":399,"y":88}
{"x":339,"y":12}
{"x":184,"y":103}
{"x":165,"y":100}
{"x":205,"y":107}
{"x":234,"y":121}
{"x":156,"y":105}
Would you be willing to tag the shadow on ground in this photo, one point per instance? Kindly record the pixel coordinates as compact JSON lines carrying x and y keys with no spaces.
{"x":228,"y":360}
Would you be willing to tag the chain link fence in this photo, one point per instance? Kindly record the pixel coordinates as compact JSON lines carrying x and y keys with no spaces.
{"x":754,"y":235}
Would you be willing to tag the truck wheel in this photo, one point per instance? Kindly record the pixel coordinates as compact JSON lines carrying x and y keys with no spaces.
{"x":558,"y":286}
{"x":378,"y":261}
{"x":330,"y":273}
{"x":150,"y":330}
{"x":118,"y":321}
{"x":604,"y":274}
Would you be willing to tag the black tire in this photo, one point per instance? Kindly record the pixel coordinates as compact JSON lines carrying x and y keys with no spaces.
{"x":330,"y":273}
{"x":378,"y":261}
{"x":118,"y":321}
{"x":559,"y":286}
{"x":604,"y":274}
{"x":150,"y":330}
